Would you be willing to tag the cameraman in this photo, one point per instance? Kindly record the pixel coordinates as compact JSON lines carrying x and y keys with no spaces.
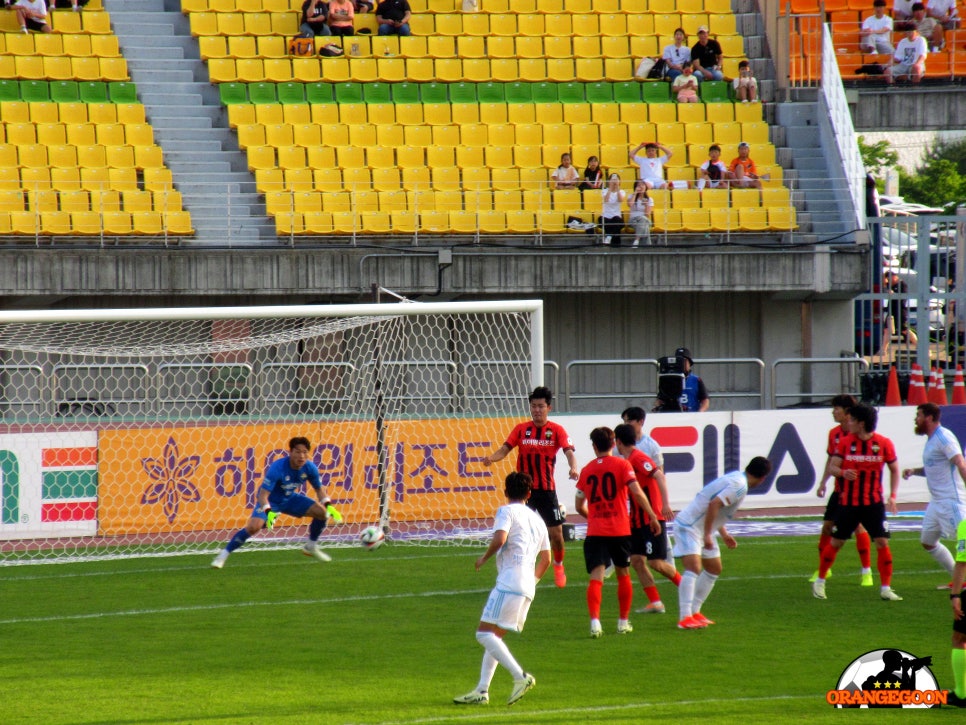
{"x":694,"y":396}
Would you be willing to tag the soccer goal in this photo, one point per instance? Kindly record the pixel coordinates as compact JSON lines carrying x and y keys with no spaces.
{"x":146,"y":432}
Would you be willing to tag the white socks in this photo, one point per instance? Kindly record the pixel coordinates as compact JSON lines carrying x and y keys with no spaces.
{"x":686,"y":593}
{"x":496,"y":649}
{"x":702,"y":589}
{"x":941,"y":554}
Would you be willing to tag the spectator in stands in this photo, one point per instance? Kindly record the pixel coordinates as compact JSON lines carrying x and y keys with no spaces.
{"x":706,"y":57}
{"x":676,"y":54}
{"x":945,"y":12}
{"x":929,"y":28}
{"x":685,"y":86}
{"x":641,"y":206}
{"x":362,"y":6}
{"x":743,"y":170}
{"x":746,"y":85}
{"x":593,"y":175}
{"x":875,"y":35}
{"x":565,"y":176}
{"x":651,"y":165}
{"x":32,"y":15}
{"x":612,"y":210}
{"x":341,"y":15}
{"x":902,"y":14}
{"x":713,"y":174}
{"x":315,"y":16}
{"x":909,"y":59}
{"x":74,"y":5}
{"x":393,"y":17}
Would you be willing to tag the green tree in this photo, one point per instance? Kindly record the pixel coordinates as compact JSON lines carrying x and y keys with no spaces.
{"x":877,"y":157}
{"x":940,"y":180}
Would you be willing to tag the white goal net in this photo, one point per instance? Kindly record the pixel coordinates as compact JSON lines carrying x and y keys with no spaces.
{"x":146,"y":432}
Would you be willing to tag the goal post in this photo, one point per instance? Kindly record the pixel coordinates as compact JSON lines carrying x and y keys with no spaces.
{"x":146,"y":431}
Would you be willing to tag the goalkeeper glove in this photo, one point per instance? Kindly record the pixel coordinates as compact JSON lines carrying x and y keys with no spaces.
{"x":333,"y":513}
{"x":270,"y":517}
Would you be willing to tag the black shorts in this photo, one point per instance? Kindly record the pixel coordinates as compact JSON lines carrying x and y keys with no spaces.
{"x":872,"y":517}
{"x":832,"y":508}
{"x":37,"y":25}
{"x":646,"y":544}
{"x":605,"y":550}
{"x":545,"y":503}
{"x":959,"y":625}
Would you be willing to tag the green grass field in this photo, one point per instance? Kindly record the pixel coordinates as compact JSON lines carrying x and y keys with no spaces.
{"x":387,"y":637}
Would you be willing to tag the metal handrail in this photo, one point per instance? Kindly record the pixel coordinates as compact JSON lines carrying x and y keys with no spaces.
{"x":775,"y":395}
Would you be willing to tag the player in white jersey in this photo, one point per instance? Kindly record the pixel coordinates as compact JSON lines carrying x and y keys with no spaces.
{"x":521,"y":545}
{"x":942,"y":457}
{"x":695,"y":537}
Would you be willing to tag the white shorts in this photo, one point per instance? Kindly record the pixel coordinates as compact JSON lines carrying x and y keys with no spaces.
{"x":688,"y":541}
{"x":940,"y":521}
{"x":507,"y":611}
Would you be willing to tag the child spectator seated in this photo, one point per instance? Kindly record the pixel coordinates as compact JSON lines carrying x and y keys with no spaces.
{"x":746,"y":85}
{"x":685,"y":86}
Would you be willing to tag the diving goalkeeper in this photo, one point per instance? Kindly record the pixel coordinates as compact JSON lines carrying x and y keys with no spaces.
{"x":280,"y":493}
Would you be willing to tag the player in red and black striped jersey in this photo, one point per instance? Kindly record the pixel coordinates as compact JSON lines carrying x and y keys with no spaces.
{"x":538,"y":441}
{"x":604,"y":487}
{"x":859,"y":461}
{"x":649,"y":545}
{"x":863,"y":543}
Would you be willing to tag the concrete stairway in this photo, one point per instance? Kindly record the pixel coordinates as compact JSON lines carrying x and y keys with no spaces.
{"x":190,"y":124}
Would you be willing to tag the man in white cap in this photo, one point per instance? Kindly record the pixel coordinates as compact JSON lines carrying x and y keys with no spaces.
{"x":706,"y":57}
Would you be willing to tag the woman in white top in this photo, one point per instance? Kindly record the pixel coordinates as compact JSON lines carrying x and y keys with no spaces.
{"x":676,"y":54}
{"x":612,"y":206}
{"x":640,"y":205}
{"x":566,"y":176}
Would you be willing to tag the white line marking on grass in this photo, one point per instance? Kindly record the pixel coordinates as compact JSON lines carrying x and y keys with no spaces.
{"x":500,"y":714}
{"x":231,"y":605}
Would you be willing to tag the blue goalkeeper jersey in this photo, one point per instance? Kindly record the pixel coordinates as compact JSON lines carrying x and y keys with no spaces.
{"x":282,"y":481}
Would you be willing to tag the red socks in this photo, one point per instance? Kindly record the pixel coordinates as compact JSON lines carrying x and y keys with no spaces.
{"x":594,"y":589}
{"x":825,"y":562}
{"x":863,"y":544}
{"x":883,"y":560}
{"x":652,"y":595}
{"x":625,"y":595}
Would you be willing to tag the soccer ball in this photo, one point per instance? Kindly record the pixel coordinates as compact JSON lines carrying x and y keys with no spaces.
{"x":372,"y":538}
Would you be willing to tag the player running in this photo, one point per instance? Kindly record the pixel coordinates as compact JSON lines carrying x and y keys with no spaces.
{"x":539,"y":439}
{"x":280,"y":493}
{"x":942,"y":456}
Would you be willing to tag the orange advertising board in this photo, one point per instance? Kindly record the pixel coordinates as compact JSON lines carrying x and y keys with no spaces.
{"x":204,"y":478}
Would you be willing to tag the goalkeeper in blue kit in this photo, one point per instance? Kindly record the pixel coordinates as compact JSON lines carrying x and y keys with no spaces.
{"x":281,"y":493}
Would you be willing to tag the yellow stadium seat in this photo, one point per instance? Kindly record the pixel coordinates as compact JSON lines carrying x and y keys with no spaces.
{"x":754,"y":132}
{"x":222,"y":70}
{"x":434,"y":221}
{"x":533,"y":69}
{"x":11,"y":200}
{"x":469,"y":157}
{"x":230,"y":23}
{"x":335,"y":201}
{"x":380,"y":157}
{"x":392,"y":199}
{"x":476,"y":24}
{"x":178,"y":222}
{"x":32,"y":155}
{"x":55,"y":222}
{"x":202,"y":24}
{"x":476,"y":70}
{"x":105,"y":46}
{"x":258,"y":24}
{"x":249,"y":70}
{"x":782,"y":218}
{"x":775,"y":196}
{"x":42,"y":200}
{"x":576,"y":112}
{"x":72,"y":201}
{"x":19,"y":112}
{"x":122,"y":178}
{"x":291,"y":157}
{"x":24,"y":222}
{"x":21,"y":133}
{"x":317,"y":223}
{"x":753,"y":218}
{"x":147,"y":222}
{"x":335,"y":134}
{"x":58,"y":68}
{"x":278,"y":134}
{"x":30,"y":66}
{"x":714,"y":198}
{"x":277,"y":70}
{"x":285,"y":23}
{"x":347,"y":222}
{"x":562,"y":69}
{"x":78,"y":45}
{"x":62,"y":156}
{"x":20,"y":44}
{"x":550,"y":221}
{"x":65,"y":179}
{"x":94,"y":22}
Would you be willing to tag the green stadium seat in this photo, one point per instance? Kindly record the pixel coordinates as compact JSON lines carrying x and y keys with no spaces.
{"x":262,"y":93}
{"x":93,"y":92}
{"x":348,"y":93}
{"x":627,"y":92}
{"x":434,"y":93}
{"x":656,"y":92}
{"x":519,"y":93}
{"x":545,"y":92}
{"x":291,"y":93}
{"x":377,"y":92}
{"x":64,"y":92}
{"x":405,"y":93}
{"x":233,"y":93}
{"x":9,"y":90}
{"x":714,"y":92}
{"x":599,"y":92}
{"x":571,"y":92}
{"x":491,"y":92}
{"x":122,"y":92}
{"x":319,"y":93}
{"x":462,"y":93}
{"x":35,"y":91}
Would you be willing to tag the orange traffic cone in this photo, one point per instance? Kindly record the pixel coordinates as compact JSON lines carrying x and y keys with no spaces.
{"x":917,"y":387}
{"x":940,"y":394}
{"x":931,"y":387}
{"x":892,"y":388}
{"x":959,"y":387}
